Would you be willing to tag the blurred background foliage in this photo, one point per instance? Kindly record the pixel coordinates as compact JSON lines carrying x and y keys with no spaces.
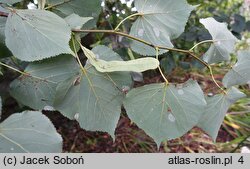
{"x":235,"y":131}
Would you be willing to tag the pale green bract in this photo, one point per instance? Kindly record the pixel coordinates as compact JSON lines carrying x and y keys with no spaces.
{"x":165,"y":111}
{"x":29,"y":132}
{"x":38,"y":89}
{"x":240,"y":73}
{"x":33,"y":35}
{"x":105,"y":53}
{"x":224,"y":41}
{"x":76,"y":22}
{"x":159,"y":23}
{"x":216,"y":109}
{"x":92,"y":98}
{"x":137,"y":65}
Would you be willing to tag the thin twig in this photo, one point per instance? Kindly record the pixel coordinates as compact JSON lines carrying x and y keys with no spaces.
{"x":77,"y":57}
{"x":24,"y":73}
{"x":188,"y":52}
{"x":130,"y":16}
{"x":200,"y":43}
{"x":14,"y":69}
{"x":84,"y":71}
{"x":159,"y":68}
{"x":212,"y":76}
{"x":131,"y":37}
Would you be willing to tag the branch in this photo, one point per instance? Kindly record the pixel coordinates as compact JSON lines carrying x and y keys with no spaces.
{"x":188,"y":52}
{"x":133,"y":38}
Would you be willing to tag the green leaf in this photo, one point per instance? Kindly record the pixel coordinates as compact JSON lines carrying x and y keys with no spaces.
{"x":165,"y":111}
{"x":38,"y":89}
{"x":137,"y":65}
{"x":84,"y":8}
{"x":36,"y":34}
{"x":94,"y":99}
{"x":160,"y":21}
{"x":216,"y":109}
{"x":11,"y":2}
{"x":29,"y":131}
{"x":224,"y":41}
{"x":240,"y":73}
{"x":76,"y":22}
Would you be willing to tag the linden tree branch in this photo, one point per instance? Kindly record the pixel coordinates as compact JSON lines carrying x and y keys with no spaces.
{"x":188,"y":52}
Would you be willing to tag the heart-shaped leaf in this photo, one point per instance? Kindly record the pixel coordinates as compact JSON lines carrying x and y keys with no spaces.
{"x":36,"y":34}
{"x":216,"y":109}
{"x":94,"y":99}
{"x":165,"y":111}
{"x":37,"y":89}
{"x":29,"y":132}
{"x":158,"y":23}
{"x":240,"y":73}
{"x":224,"y":41}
